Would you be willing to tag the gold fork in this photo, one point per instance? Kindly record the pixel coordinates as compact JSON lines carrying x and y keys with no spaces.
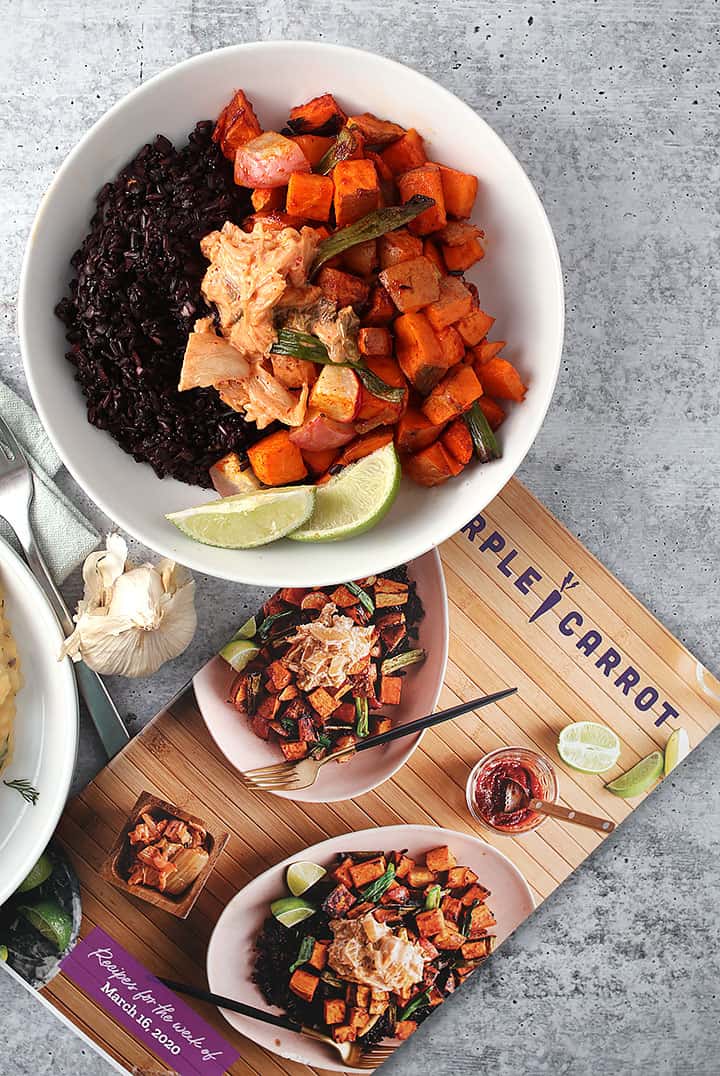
{"x":351,"y":1053}
{"x":294,"y":775}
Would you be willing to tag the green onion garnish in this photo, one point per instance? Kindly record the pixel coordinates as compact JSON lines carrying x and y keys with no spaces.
{"x":311,"y":348}
{"x":372,"y":226}
{"x":375,"y":890}
{"x":417,"y":1002}
{"x":362,"y":596}
{"x":432,"y":897}
{"x":304,"y":952}
{"x":486,"y":446}
{"x":401,"y":661}
{"x":362,"y":716}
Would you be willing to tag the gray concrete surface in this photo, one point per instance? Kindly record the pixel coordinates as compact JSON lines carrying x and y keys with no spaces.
{"x":613,"y":110}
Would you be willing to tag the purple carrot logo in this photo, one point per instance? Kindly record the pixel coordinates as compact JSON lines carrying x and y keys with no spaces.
{"x":554,"y":596}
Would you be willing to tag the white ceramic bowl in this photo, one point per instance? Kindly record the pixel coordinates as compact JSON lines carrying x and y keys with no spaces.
{"x":46,"y":725}
{"x":230,"y":955}
{"x":520,"y":283}
{"x":421,"y":690}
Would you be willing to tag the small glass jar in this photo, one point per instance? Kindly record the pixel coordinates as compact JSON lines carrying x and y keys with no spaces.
{"x":533,"y":771}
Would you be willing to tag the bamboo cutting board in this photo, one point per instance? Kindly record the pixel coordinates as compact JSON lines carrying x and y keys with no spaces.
{"x":529,"y":607}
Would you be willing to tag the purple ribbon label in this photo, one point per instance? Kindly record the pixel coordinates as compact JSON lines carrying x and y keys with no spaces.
{"x":146,"y":1008}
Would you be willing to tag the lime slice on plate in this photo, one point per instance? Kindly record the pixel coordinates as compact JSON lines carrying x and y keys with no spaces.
{"x":639,"y":779}
{"x":248,"y":519}
{"x":589,"y":747}
{"x":240,"y":653}
{"x":39,"y":874}
{"x":247,"y":631}
{"x":50,"y":921}
{"x":676,"y":749}
{"x":302,"y":876}
{"x":292,"y":910}
{"x":354,"y":500}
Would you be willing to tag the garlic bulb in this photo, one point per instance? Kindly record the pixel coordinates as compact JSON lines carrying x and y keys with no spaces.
{"x":131,"y":620}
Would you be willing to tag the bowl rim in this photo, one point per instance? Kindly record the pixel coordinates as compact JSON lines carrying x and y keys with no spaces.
{"x":197,"y":561}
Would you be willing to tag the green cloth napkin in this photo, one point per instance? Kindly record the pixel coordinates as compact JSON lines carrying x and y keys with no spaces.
{"x":64,"y":535}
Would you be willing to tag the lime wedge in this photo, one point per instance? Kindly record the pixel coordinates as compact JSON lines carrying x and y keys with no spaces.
{"x":639,"y":779}
{"x":50,"y":921}
{"x":302,"y":876}
{"x":292,"y":910}
{"x":247,"y":631}
{"x":248,"y":519}
{"x":354,"y":500}
{"x":39,"y":874}
{"x":677,"y":747}
{"x":239,"y":653}
{"x":589,"y":747}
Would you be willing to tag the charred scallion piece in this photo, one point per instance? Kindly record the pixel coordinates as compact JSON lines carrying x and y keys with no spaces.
{"x":345,"y":144}
{"x":266,"y":628}
{"x":372,"y":226}
{"x":432,"y":898}
{"x":304,"y":952}
{"x":486,"y":446}
{"x":375,"y":890}
{"x":401,"y":661}
{"x":417,"y":1003}
{"x":362,"y":714}
{"x":362,"y":596}
{"x":306,"y":346}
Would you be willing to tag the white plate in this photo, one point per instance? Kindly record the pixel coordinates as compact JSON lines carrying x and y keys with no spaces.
{"x":421,"y":690}
{"x":520,"y":283}
{"x":230,"y":957}
{"x":46,"y":725}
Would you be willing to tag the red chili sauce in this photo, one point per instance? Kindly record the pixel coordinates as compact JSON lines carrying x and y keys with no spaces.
{"x":490,"y":789}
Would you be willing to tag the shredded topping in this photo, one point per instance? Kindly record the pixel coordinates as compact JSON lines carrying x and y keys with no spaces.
{"x":323,"y":651}
{"x":367,"y":952}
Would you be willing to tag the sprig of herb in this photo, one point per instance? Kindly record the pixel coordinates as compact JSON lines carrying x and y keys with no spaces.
{"x":27,"y":790}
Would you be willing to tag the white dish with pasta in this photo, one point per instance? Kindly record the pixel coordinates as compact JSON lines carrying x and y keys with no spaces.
{"x":45,"y":726}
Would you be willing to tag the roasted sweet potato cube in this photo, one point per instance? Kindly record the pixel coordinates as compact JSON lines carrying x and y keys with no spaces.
{"x":432,"y":466}
{"x":367,"y":871}
{"x":476,"y":950}
{"x":294,"y":750}
{"x":359,"y":910}
{"x":272,"y":198}
{"x":375,"y":341}
{"x":460,"y":258}
{"x":455,"y":302}
{"x":334,"y":1010}
{"x":358,"y":1018}
{"x":473,"y":893}
{"x":459,"y":190}
{"x":338,"y":902}
{"x":451,"y":908}
{"x":458,"y":441}
{"x":406,"y":153}
{"x":405,"y":1028}
{"x":236,"y":124}
{"x":375,"y":411}
{"x":379,"y":1001}
{"x":310,"y":196}
{"x":320,"y":462}
{"x":361,"y":259}
{"x":381,"y":309}
{"x":261,"y":726}
{"x":396,"y":894}
{"x":323,"y":114}
{"x":276,"y":461}
{"x":318,"y":957}
{"x":432,"y":252}
{"x":364,"y":446}
{"x":342,"y":874}
{"x":342,"y":597}
{"x":344,"y":1033}
{"x":449,"y":940}
{"x":500,"y":379}
{"x":452,"y":345}
{"x":342,"y":288}
{"x":358,"y":996}
{"x":268,"y":708}
{"x":357,"y":190}
{"x":342,"y":742}
{"x":460,"y":876}
{"x":380,"y":725}
{"x":398,"y":246}
{"x":313,"y":146}
{"x":474,"y":326}
{"x":424,"y":180}
{"x":481,"y":919}
{"x":403,"y":866}
{"x":418,"y":351}
{"x":430,"y":923}
{"x":440,"y":859}
{"x":376,"y":132}
{"x":414,"y":431}
{"x":455,"y":394}
{"x":322,"y":702}
{"x":306,"y":729}
{"x":487,"y":349}
{"x":304,"y":984}
{"x":411,"y":284}
{"x":419,"y":877}
{"x":279,"y":673}
{"x":390,"y":690}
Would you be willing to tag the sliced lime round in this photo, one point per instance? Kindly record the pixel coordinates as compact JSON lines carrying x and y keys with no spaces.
{"x":302,"y":876}
{"x":640,"y":778}
{"x":676,"y":749}
{"x":39,"y":874}
{"x":292,"y":910}
{"x":354,"y":500}
{"x":240,"y":653}
{"x":50,"y":921}
{"x":248,"y":519}
{"x":589,"y":747}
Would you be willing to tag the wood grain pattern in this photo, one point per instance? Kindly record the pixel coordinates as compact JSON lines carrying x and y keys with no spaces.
{"x":494,"y":643}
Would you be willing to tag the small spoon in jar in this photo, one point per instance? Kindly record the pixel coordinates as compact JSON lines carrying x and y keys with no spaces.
{"x":517,"y":799}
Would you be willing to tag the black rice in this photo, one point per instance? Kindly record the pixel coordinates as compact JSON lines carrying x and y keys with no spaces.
{"x":135,"y":297}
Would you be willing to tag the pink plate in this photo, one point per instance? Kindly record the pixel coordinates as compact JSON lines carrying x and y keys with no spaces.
{"x":230,"y":956}
{"x":233,"y":735}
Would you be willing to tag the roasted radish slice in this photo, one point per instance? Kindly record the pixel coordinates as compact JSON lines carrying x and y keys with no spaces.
{"x":319,"y":432}
{"x":337,"y":392}
{"x":268,"y":161}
